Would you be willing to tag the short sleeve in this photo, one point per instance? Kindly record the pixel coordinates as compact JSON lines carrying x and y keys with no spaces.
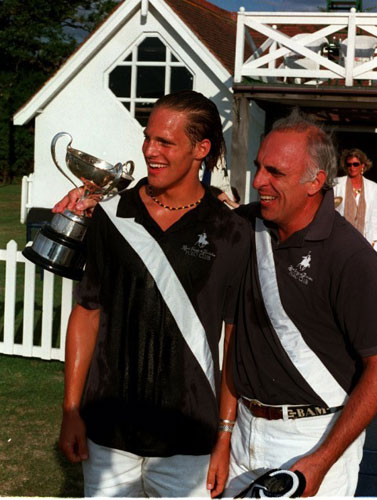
{"x":87,"y":293}
{"x":237,"y":271}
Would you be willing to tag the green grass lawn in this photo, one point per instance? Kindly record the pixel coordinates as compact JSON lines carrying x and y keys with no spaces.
{"x":30,"y":410}
{"x":31,"y":394}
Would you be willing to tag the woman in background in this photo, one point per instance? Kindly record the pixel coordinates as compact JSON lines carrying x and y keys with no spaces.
{"x":355,"y":196}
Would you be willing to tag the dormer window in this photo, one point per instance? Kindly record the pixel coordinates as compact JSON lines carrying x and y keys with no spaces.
{"x":150,"y":71}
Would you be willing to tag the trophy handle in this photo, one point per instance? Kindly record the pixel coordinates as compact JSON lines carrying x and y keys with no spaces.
{"x":128,"y":173}
{"x":53,"y":145}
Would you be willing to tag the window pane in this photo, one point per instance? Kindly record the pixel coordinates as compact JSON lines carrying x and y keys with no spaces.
{"x":142,"y":112}
{"x":181,"y":79}
{"x":120,"y":81}
{"x":150,"y":81}
{"x":173,"y":58}
{"x":127,"y":105}
{"x":128,"y":58}
{"x":151,"y":49}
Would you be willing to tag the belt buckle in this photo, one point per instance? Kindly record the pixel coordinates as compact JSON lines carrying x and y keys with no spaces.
{"x":255,"y":402}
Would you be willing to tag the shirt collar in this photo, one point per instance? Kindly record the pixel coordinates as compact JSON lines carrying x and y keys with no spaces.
{"x":318,"y":229}
{"x":322,"y":224}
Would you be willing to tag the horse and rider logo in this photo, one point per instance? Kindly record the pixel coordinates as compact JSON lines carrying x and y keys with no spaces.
{"x":305,"y":263}
{"x":202,"y":240}
{"x":299,"y":272}
{"x":199,"y":248}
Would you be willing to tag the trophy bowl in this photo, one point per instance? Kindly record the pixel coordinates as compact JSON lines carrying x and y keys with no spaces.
{"x":59,"y":246}
{"x":99,"y":174}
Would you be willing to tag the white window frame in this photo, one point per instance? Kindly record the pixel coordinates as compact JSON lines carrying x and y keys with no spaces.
{"x":134,"y":64}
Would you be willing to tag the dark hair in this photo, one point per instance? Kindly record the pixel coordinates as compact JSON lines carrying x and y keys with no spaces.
{"x":357,"y":153}
{"x":320,"y":145}
{"x":203,"y":121}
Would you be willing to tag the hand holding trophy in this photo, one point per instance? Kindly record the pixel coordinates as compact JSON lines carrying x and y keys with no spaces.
{"x":59,"y":247}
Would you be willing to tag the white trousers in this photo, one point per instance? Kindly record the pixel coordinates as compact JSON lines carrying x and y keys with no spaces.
{"x":114,"y":473}
{"x":259,"y":445}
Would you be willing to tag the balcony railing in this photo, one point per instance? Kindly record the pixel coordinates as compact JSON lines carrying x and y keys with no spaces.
{"x":310,"y":48}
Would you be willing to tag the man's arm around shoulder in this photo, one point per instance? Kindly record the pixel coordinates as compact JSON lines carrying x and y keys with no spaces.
{"x":80,"y":343}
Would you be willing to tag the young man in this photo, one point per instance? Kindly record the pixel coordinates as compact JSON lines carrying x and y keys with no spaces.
{"x":305,"y":363}
{"x":165,"y":260}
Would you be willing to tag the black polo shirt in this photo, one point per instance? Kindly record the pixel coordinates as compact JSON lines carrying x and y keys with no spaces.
{"x":332,"y":302}
{"x":146,"y":392}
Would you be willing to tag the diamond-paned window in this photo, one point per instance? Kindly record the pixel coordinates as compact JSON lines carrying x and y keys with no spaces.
{"x":150,"y":71}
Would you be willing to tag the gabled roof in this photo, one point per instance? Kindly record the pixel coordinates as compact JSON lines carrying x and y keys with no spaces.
{"x":214,"y":26}
{"x":212,"y":30}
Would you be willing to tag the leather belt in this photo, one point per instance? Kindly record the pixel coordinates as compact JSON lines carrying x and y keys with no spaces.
{"x":276,"y":412}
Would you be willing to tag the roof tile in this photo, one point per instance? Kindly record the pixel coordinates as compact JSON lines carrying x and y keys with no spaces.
{"x":214,"y":26}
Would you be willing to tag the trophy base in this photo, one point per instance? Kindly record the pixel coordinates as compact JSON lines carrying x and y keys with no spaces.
{"x":64,"y":272}
{"x":57,"y":254}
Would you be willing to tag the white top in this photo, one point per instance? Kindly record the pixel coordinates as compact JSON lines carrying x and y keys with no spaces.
{"x":370,"y":193}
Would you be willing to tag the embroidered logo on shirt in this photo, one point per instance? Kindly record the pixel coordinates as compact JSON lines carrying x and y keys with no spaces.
{"x":299,"y":272}
{"x":198,"y":249}
{"x":202,"y":240}
{"x":305,"y":263}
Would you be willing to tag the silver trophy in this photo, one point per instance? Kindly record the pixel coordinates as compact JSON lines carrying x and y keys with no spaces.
{"x":59,"y":246}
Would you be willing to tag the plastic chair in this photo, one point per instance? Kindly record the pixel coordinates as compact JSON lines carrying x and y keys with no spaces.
{"x":316,"y":46}
{"x":294,"y":60}
{"x":365,"y":47}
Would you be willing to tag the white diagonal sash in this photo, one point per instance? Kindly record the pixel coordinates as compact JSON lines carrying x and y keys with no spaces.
{"x":168,"y":284}
{"x":304,"y":359}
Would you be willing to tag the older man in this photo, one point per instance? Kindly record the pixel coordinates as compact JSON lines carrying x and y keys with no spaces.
{"x":305,"y":357}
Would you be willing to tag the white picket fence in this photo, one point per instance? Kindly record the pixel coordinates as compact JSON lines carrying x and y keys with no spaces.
{"x":8,"y":345}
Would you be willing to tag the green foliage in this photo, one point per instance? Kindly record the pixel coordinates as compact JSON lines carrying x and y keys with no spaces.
{"x":10,"y":225}
{"x":36,"y":36}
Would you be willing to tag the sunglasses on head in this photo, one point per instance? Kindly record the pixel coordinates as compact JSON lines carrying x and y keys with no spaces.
{"x":354,"y":164}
